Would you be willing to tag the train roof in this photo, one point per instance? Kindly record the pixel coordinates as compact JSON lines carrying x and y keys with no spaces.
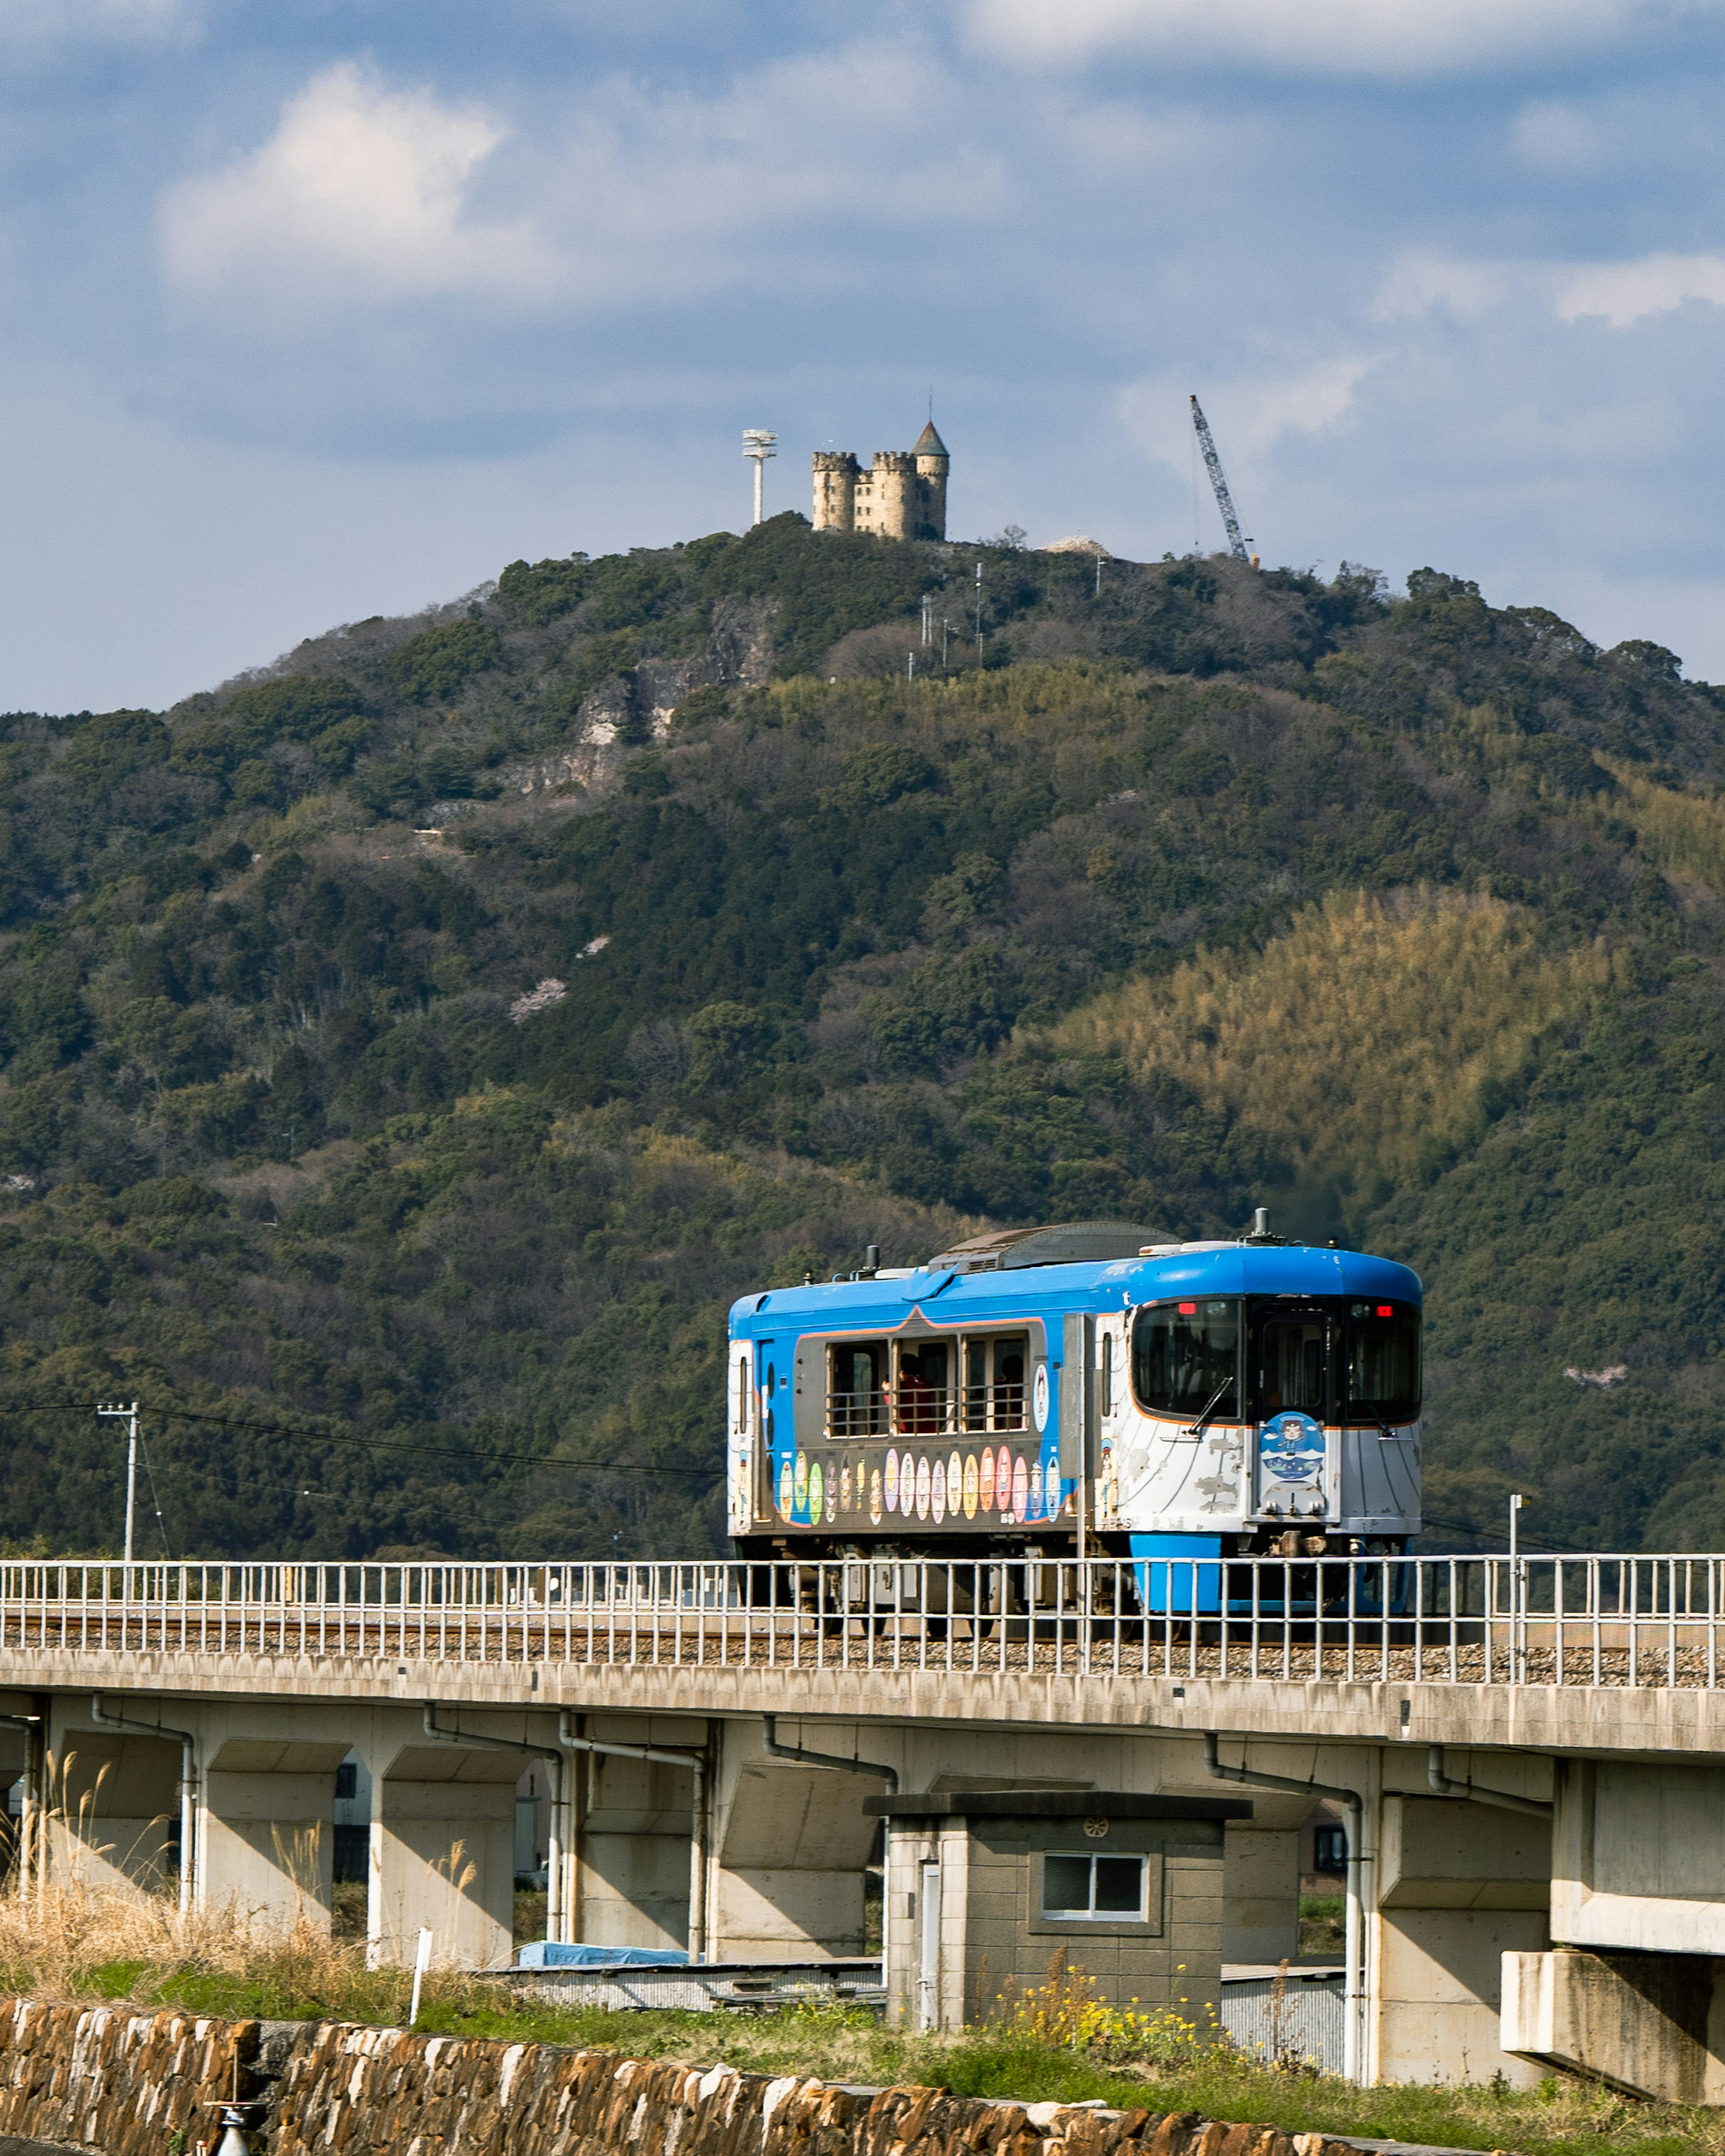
{"x":1075,"y":1266}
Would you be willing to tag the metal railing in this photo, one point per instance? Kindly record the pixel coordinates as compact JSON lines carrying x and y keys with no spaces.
{"x":1615,"y":1621}
{"x":926,"y":1411}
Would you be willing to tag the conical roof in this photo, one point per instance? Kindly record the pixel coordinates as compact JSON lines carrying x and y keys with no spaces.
{"x":929,"y":444}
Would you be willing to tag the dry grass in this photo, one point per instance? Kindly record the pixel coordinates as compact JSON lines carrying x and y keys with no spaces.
{"x":71,"y":1941}
{"x":1361,"y":1042}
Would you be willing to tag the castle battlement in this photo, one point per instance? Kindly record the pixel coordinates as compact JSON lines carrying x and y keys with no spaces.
{"x":902,"y":495}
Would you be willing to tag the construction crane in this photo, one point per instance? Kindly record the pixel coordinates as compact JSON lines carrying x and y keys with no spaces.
{"x":1224,"y":500}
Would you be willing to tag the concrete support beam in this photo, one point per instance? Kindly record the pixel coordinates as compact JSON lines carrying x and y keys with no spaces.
{"x":1460,"y":1887}
{"x":1260,"y":1881}
{"x":1639,"y":1856}
{"x":111,"y":1802}
{"x":790,"y":1844}
{"x":443,"y":1851}
{"x":267,"y":1835}
{"x":633,"y":1824}
{"x":1649,"y":2023}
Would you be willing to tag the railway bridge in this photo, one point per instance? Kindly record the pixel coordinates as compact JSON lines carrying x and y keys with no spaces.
{"x":1529,"y":1753}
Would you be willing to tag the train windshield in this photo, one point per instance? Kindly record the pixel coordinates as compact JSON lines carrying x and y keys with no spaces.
{"x":1186,"y":1358}
{"x":1381,"y":1362}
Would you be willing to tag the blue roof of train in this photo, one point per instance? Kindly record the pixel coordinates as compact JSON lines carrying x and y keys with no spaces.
{"x":1296,"y":1269}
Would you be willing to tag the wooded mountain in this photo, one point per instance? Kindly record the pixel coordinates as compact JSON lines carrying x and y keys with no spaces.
{"x":407,"y":1051}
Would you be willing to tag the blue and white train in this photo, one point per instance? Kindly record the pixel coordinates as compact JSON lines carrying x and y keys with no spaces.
{"x":1082,"y":1389}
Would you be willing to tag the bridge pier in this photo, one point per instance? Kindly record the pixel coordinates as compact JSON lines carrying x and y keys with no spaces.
{"x":112,"y":1808}
{"x":634,"y":1821}
{"x":442,"y":1848}
{"x":1459,"y":1886}
{"x":790,"y":1846}
{"x":1632,"y":1989}
{"x":267,"y":1831}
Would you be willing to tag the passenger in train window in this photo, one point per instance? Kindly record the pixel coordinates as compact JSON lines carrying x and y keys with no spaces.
{"x":923,"y":1396}
{"x":1009,"y":1389}
{"x":995,"y":1382}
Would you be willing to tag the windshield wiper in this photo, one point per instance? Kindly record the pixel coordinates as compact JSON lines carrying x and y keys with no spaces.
{"x":1196,"y":1429}
{"x":1364,"y":1409}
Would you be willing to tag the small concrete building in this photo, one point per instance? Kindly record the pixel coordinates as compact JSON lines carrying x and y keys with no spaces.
{"x":987,"y":1891}
{"x":903,"y":495}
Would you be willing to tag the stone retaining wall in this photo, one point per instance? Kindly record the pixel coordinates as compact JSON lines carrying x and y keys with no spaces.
{"x":131,"y":2084}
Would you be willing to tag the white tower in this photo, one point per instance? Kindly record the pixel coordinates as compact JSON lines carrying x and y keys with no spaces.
{"x":758,"y":444}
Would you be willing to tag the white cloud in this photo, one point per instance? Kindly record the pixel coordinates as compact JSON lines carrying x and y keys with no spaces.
{"x":1250,"y":418}
{"x":1627,"y":292}
{"x":1417,"y":282}
{"x":360,"y":192}
{"x":1619,"y":293}
{"x":1388,"y":38}
{"x":366,"y":194}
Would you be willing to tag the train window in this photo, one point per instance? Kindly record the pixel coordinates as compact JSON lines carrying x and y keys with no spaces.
{"x":1294,"y":1365}
{"x":993,"y":1396}
{"x":742,"y":1394}
{"x":1107,"y":1384}
{"x":856,"y":1388}
{"x":1382,"y":1363}
{"x":1186,"y":1358}
{"x":922,"y":1393}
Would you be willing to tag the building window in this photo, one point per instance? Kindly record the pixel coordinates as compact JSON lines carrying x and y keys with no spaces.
{"x":1329,"y":1849}
{"x":347,"y":1781}
{"x":1107,"y":1888}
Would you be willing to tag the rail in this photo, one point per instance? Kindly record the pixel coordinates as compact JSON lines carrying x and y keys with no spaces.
{"x":1602,"y":1620}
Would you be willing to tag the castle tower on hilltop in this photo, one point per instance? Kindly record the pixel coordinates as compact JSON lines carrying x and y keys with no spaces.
{"x":903,"y":495}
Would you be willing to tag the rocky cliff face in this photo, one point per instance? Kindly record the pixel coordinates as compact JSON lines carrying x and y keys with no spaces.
{"x":637,"y":706}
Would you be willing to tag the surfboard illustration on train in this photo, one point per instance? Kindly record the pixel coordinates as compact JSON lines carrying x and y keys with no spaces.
{"x":1088,"y":1388}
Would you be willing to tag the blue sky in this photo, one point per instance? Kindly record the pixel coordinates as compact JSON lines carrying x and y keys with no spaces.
{"x":322,"y":309}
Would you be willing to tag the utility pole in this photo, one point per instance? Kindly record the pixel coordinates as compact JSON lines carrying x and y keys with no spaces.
{"x":130,"y":1414}
{"x":1517,"y":1593}
{"x":757,"y":442}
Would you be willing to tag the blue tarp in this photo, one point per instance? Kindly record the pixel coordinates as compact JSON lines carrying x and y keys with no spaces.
{"x":569,"y":1954}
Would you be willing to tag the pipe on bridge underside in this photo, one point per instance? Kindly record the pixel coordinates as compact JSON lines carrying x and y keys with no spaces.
{"x":557,"y":1865}
{"x":1353,"y":1989}
{"x":1440,"y":1785}
{"x":699,"y":1806}
{"x":188,"y":1784}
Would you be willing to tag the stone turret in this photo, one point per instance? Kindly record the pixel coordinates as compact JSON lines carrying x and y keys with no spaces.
{"x":836,"y":473}
{"x":902,"y":495}
{"x":933,"y":465}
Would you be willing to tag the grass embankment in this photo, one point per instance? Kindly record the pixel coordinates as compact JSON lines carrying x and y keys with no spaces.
{"x":73,"y":1944}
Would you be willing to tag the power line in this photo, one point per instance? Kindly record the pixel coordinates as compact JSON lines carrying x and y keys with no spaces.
{"x":382,"y":1444}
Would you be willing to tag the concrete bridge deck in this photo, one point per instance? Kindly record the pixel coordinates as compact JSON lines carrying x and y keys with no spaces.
{"x":1513,"y":1886}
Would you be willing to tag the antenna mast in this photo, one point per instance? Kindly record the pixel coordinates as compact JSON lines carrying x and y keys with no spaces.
{"x":1224,"y":500}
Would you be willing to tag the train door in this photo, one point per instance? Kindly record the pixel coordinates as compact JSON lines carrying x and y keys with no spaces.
{"x":1293,"y":1369}
{"x":1111,"y":1389}
{"x":744,"y":1493}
